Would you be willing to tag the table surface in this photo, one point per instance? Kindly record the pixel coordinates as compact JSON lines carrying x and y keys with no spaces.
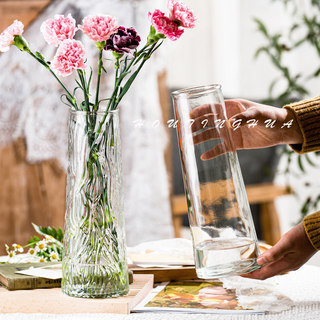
{"x":302,"y":286}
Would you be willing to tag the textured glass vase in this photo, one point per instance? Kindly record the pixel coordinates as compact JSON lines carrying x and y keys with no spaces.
{"x":94,"y":257}
{"x":224,"y":237}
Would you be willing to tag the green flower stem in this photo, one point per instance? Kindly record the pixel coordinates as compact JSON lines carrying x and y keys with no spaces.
{"x":46,"y":65}
{"x":96,"y":105}
{"x":84,"y":89}
{"x":134,"y":75}
{"x":116,"y":84}
{"x":114,"y":100}
{"x":30,"y":244}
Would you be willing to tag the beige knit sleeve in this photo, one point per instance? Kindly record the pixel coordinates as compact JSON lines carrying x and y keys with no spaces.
{"x":307,"y":114}
{"x":312,"y":227}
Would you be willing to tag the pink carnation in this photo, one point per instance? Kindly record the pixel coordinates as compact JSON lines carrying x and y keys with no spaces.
{"x":69,"y":56}
{"x":99,"y":27}
{"x":181,"y":13}
{"x":58,"y":29}
{"x":7,"y":36}
{"x":165,"y":25}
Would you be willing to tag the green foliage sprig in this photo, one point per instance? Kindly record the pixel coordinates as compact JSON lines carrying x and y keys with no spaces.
{"x":304,"y":31}
{"x":49,"y":248}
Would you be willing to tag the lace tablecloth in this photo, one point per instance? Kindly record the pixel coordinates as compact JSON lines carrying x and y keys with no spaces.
{"x":302,"y":286}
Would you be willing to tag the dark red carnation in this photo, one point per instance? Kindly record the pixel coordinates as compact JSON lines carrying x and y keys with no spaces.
{"x":123,"y":40}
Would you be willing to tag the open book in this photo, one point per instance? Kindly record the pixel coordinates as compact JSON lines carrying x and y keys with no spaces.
{"x":192,"y":297}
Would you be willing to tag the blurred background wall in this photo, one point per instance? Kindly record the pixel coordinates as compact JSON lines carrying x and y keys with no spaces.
{"x":221,"y":48}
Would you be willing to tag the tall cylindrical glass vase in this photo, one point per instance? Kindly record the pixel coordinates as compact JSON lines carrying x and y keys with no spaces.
{"x":94,"y":256}
{"x":224,"y":237}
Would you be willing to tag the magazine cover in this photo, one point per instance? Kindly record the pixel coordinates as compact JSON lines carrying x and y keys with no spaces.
{"x":192,"y":297}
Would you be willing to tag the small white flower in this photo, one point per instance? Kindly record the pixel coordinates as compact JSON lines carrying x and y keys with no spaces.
{"x":41,"y":259}
{"x":11,"y":254}
{"x":32,"y":251}
{"x":41,"y":245}
{"x":17,"y":247}
{"x":49,"y":238}
{"x":54,"y":256}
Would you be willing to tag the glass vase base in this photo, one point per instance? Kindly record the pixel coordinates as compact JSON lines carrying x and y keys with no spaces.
{"x":94,"y":281}
{"x":78,"y":291}
{"x":228,"y":269}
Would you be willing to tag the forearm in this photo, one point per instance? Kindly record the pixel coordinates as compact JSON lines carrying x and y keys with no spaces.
{"x":306,"y":115}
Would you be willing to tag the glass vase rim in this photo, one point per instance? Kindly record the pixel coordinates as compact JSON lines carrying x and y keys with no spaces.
{"x":102,"y":112}
{"x":196,"y":91}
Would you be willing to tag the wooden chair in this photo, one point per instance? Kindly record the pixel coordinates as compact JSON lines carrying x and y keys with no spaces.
{"x":263,"y":194}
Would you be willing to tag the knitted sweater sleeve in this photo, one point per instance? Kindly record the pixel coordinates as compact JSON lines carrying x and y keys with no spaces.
{"x":307,"y":114}
{"x":312,"y":227}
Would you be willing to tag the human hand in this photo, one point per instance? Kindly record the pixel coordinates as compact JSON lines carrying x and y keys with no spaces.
{"x":289,"y":253}
{"x":248,"y":125}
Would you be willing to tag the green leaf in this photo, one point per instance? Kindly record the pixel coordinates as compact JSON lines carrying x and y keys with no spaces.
{"x":49,"y":231}
{"x":300,"y":164}
{"x":122,"y":75}
{"x":40,"y":56}
{"x":107,"y":99}
{"x":316,"y":73}
{"x":260,"y":50}
{"x":315,"y":204}
{"x":75,"y":89}
{"x":159,"y":36}
{"x":299,"y":42}
{"x":305,"y":207}
{"x":152,"y":31}
{"x":140,"y":57}
{"x":70,"y":104}
{"x":261,"y":27}
{"x":59,"y":235}
{"x":90,"y":78}
{"x":79,"y":84}
{"x":33,"y":240}
{"x":310,"y":161}
{"x":273,"y":83}
{"x":128,"y":84}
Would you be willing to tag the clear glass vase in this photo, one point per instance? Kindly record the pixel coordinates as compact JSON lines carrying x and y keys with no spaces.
{"x":94,"y":256}
{"x":224,"y":237}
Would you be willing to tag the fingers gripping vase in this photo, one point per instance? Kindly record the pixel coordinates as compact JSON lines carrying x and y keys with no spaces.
{"x":224,"y":237}
{"x":94,"y":256}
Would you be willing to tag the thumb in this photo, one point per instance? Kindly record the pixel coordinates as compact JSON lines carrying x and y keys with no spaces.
{"x":279,"y":250}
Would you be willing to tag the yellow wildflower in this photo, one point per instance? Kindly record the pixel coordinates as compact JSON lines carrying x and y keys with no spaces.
{"x":41,"y":245}
{"x":11,"y":254}
{"x":17,"y":247}
{"x":54,"y":256}
{"x":32,"y":251}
